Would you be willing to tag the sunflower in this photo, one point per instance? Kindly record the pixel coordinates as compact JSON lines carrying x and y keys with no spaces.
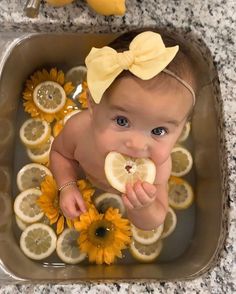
{"x":83,"y":99}
{"x":86,"y":190}
{"x":42,"y":76}
{"x":49,"y":203}
{"x":103,"y":236}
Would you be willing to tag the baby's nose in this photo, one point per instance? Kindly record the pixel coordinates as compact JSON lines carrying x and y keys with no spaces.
{"x":137,"y":142}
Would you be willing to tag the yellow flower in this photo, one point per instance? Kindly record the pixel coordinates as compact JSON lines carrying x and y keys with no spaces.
{"x":83,"y":99}
{"x":49,"y":203}
{"x":103,"y":236}
{"x":42,"y":76}
{"x":86,"y":190}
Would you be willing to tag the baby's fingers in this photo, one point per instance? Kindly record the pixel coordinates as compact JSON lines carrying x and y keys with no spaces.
{"x":143,"y":197}
{"x":71,"y":211}
{"x":80,"y":202}
{"x":131,"y":196}
{"x":150,"y":189}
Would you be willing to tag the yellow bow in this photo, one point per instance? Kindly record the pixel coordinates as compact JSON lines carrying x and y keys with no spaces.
{"x":147,"y":56}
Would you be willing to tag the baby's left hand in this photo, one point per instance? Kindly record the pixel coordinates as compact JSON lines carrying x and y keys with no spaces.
{"x":140,"y":195}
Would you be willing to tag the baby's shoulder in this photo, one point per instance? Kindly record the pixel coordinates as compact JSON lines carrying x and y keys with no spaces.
{"x":76,"y":126}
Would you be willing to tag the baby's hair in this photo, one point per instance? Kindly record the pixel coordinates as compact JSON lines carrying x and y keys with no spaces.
{"x":181,"y":65}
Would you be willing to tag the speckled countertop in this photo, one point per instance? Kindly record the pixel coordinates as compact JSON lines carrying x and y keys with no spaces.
{"x":213,"y":21}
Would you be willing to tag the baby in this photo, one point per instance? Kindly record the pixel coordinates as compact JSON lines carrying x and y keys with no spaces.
{"x":139,"y":100}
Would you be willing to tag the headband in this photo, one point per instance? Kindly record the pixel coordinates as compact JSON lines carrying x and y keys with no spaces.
{"x":147,"y":56}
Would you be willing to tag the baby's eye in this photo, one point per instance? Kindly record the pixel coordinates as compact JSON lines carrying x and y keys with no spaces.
{"x":122,"y":121}
{"x":160,"y":131}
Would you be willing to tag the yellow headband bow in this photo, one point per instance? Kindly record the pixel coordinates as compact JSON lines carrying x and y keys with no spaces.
{"x":147,"y":56}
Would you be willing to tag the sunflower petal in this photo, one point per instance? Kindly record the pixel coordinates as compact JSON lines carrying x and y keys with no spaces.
{"x":60,"y":224}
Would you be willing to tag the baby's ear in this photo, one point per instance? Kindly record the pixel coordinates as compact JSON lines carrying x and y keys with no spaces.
{"x":91,"y":103}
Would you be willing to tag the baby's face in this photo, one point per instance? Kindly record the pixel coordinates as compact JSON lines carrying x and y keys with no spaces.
{"x":140,"y":119}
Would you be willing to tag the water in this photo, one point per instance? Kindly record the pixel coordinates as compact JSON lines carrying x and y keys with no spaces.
{"x":174,"y":245}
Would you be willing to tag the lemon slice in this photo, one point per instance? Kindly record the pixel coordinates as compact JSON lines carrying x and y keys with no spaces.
{"x":49,"y":97}
{"x":182,"y":161}
{"x":23,"y":225}
{"x":169,"y":223}
{"x":146,"y":237}
{"x":70,"y":114}
{"x":38,"y":241}
{"x":76,"y":75}
{"x":6,"y":131}
{"x":68,"y":247}
{"x":41,"y":154}
{"x":185,"y":132}
{"x":31,"y":175}
{"x":145,"y":253}
{"x":121,"y":169}
{"x":34,"y":132}
{"x":180,"y":193}
{"x":26,"y":207}
{"x":106,"y":200}
{"x":20,"y":224}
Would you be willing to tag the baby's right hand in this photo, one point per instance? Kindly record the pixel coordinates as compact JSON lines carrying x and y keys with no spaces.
{"x":71,"y":202}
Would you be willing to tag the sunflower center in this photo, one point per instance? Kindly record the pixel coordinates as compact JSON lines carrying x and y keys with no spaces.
{"x":101,"y":233}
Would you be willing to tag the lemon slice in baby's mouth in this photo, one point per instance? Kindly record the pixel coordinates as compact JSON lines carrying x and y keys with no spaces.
{"x":121,"y":169}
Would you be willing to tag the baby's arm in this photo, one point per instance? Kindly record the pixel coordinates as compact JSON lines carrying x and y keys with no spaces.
{"x":65,"y":170}
{"x":147,"y":204}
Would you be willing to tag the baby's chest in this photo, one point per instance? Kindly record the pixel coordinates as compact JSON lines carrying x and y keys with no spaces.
{"x":90,"y":161}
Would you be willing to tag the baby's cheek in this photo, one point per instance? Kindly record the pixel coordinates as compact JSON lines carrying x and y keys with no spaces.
{"x":160,"y":154}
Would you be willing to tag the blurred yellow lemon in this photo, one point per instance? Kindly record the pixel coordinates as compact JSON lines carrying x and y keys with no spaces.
{"x":182,"y":161}
{"x":185,"y":132}
{"x":180,"y":193}
{"x":169,"y":223}
{"x":145,"y":253}
{"x":104,"y":7}
{"x":146,"y":237}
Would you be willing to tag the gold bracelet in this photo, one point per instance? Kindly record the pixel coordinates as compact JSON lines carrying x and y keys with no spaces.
{"x":66,"y":184}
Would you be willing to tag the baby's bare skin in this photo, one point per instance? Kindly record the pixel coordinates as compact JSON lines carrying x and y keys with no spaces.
{"x":123,"y":122}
